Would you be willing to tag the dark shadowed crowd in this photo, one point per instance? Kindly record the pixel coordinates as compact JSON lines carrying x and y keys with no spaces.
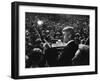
{"x":44,"y":30}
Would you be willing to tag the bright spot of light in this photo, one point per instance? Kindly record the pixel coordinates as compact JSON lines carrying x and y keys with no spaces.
{"x":39,"y":22}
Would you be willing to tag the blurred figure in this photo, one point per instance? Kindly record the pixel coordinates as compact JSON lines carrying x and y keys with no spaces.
{"x":70,"y":48}
{"x":83,"y":41}
{"x":77,"y":38}
{"x":36,"y":57}
{"x":82,"y":55}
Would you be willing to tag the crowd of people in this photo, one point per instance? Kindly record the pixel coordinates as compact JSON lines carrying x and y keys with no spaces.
{"x":43,"y":30}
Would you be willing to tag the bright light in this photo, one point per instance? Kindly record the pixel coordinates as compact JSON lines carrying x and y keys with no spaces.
{"x":39,"y":22}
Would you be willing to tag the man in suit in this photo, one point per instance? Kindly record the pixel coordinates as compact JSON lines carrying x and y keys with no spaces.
{"x":70,"y":48}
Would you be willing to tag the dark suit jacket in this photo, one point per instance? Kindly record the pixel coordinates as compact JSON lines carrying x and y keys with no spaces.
{"x":68,"y":53}
{"x":51,"y":56}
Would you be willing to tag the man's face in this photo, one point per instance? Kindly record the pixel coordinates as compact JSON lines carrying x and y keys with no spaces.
{"x":67,"y":36}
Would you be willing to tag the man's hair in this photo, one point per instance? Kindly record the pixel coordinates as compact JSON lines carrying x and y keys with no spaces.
{"x":69,"y":29}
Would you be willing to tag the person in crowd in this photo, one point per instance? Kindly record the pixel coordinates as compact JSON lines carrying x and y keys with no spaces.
{"x":82,"y":55}
{"x":70,"y":48}
{"x":77,"y":38}
{"x":36,"y":57}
